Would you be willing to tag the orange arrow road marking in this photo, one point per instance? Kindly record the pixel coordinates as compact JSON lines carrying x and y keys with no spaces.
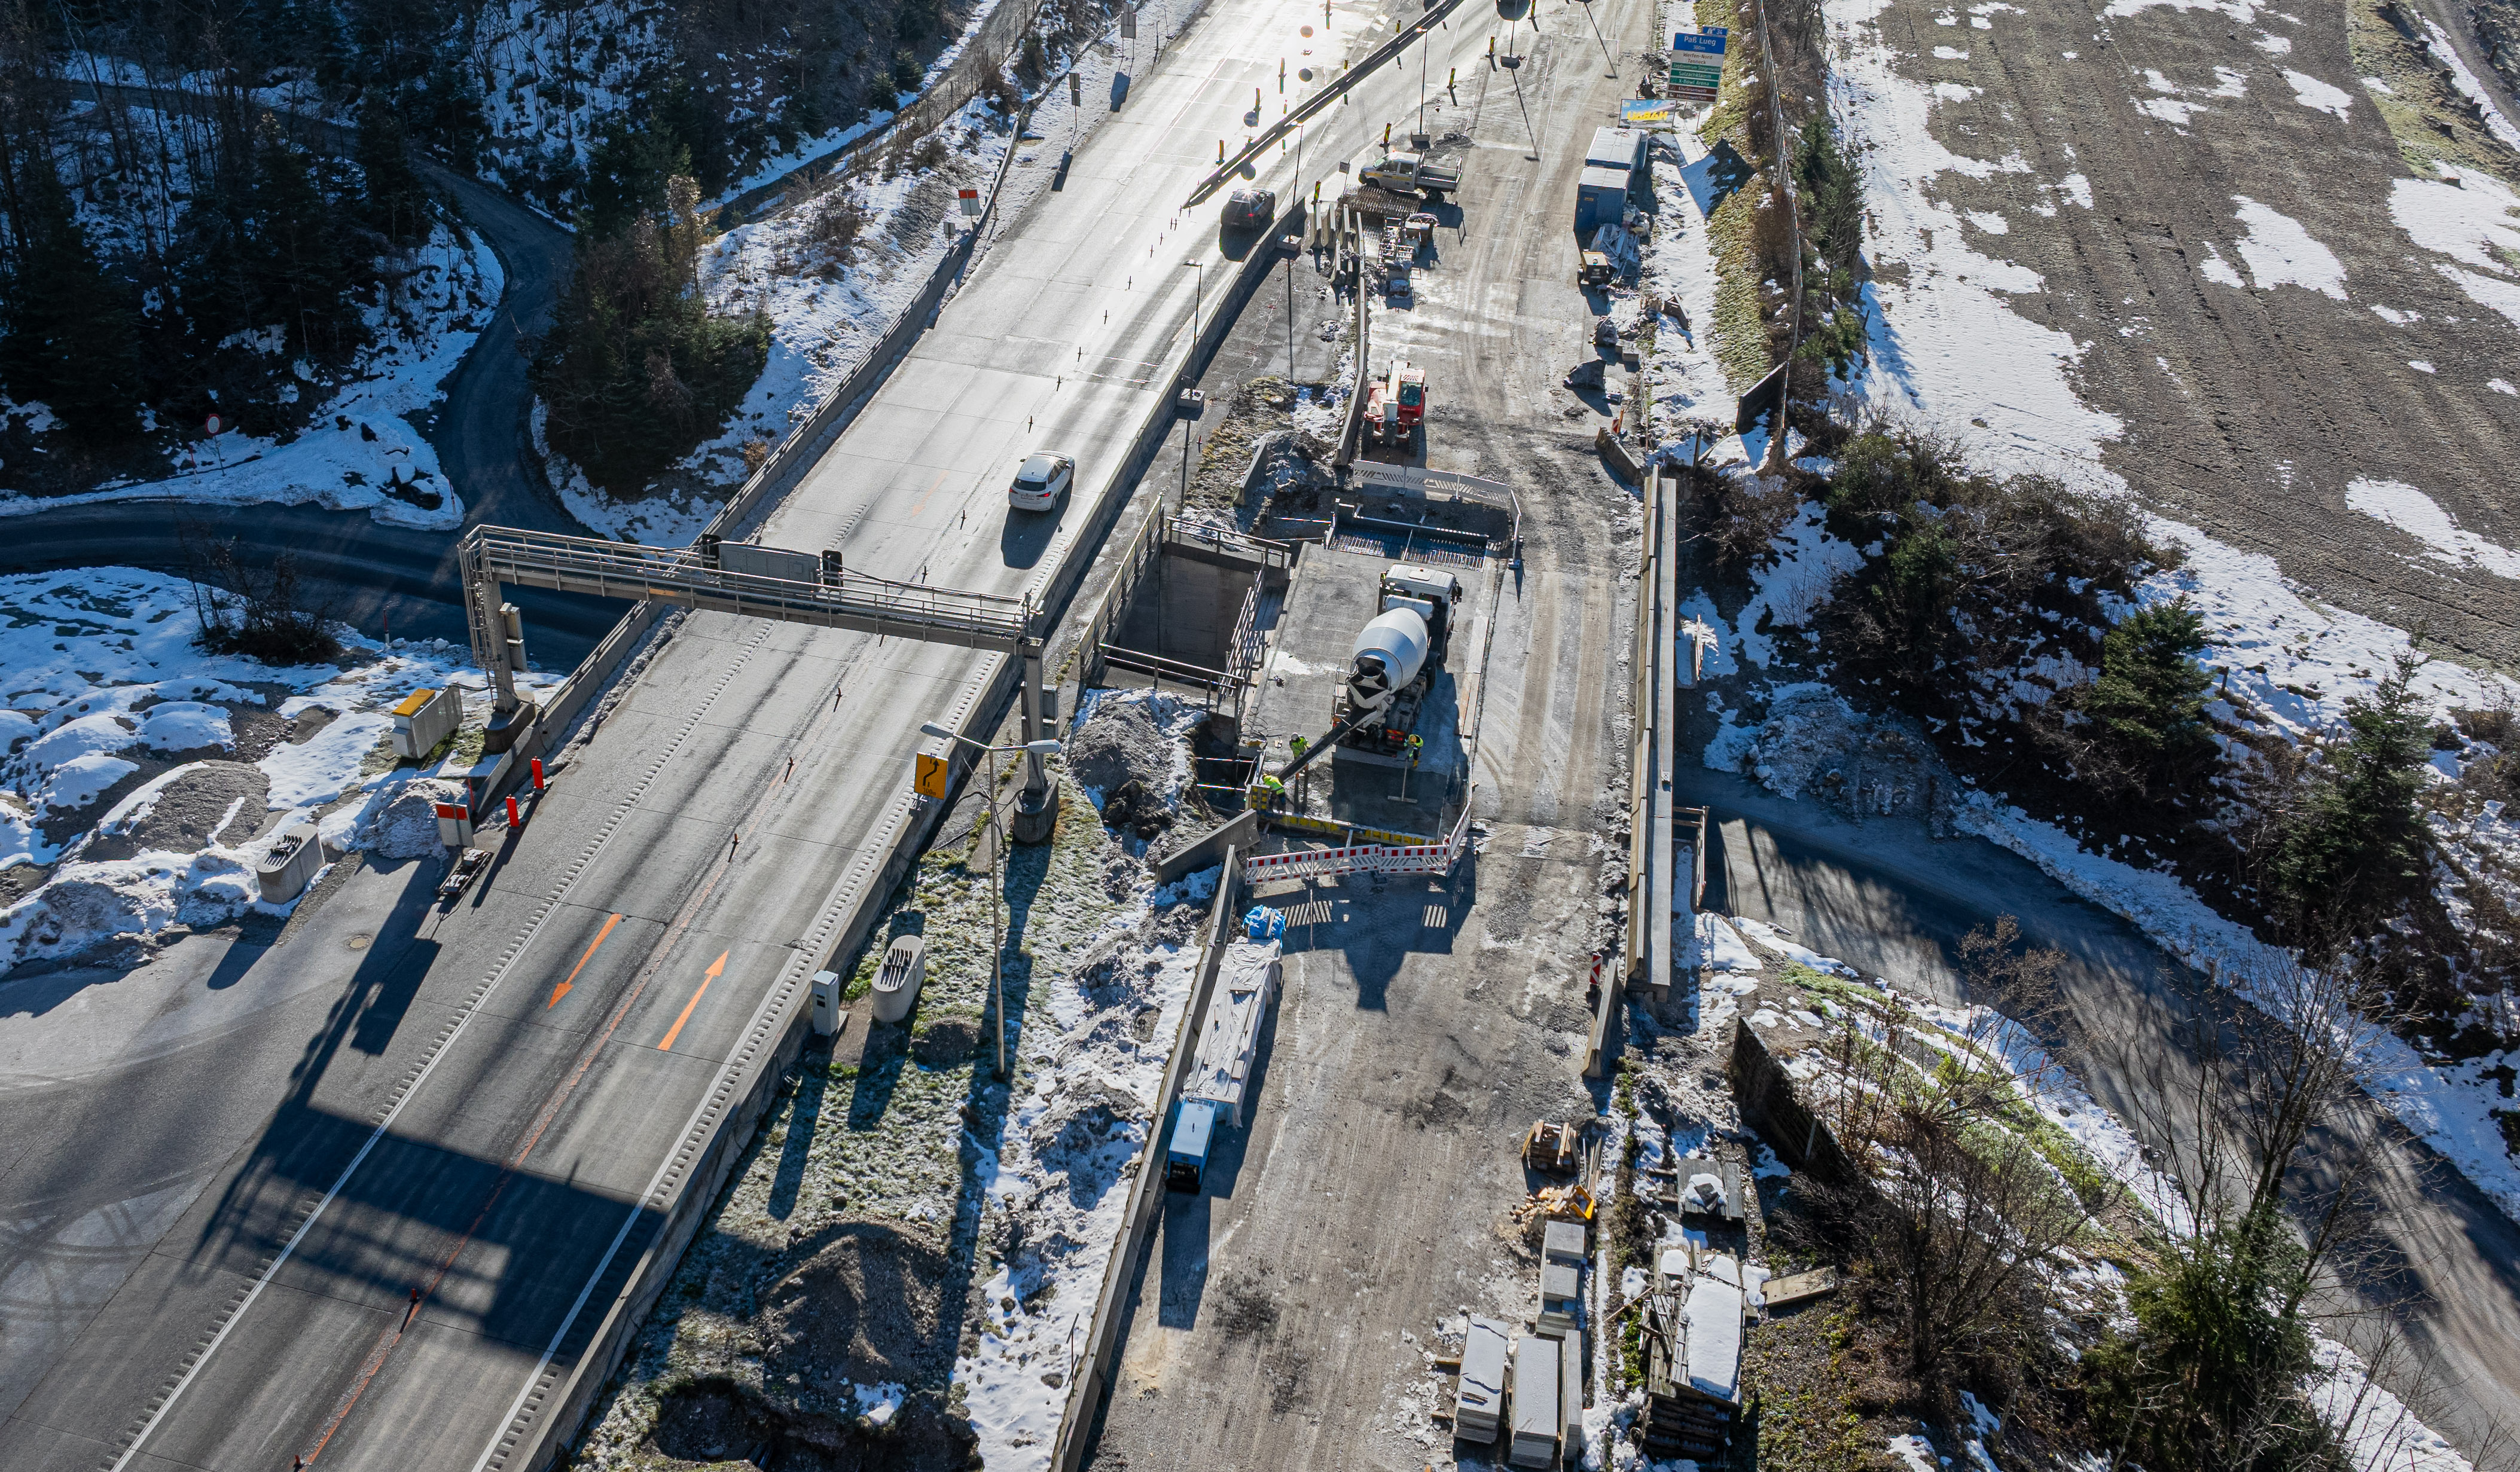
{"x":562,"y":990}
{"x":716,"y":968}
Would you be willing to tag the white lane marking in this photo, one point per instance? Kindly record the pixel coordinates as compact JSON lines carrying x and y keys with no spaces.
{"x":442,"y":1048}
{"x":845,"y":895}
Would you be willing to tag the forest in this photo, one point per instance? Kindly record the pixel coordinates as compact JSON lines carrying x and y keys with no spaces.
{"x":204,"y":208}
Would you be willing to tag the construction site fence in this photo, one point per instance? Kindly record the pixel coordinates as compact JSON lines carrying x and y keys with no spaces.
{"x":1364,"y":858}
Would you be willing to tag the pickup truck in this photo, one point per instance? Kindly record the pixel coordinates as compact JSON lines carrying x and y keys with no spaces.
{"x":1411,"y":173}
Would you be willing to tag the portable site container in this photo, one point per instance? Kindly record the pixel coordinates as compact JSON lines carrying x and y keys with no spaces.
{"x":1616,"y":147}
{"x":1535,"y":1403}
{"x":1570,"y":1394}
{"x":1601,"y":199}
{"x":425,"y":719}
{"x":1478,"y":1409}
{"x":1185,"y":1159}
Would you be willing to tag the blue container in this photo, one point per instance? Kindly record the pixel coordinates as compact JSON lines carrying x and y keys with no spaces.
{"x":1263,"y":923}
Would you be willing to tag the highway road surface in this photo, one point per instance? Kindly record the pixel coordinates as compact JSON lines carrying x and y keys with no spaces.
{"x":360,"y":1195}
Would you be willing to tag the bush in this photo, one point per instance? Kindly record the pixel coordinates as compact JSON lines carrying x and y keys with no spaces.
{"x":2210,"y":1379}
{"x":907,"y":74}
{"x":1742,"y":516}
{"x":249,"y":606}
{"x":1973,"y":575}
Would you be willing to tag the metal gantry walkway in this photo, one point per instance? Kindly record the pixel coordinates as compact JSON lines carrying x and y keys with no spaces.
{"x":796,"y":587}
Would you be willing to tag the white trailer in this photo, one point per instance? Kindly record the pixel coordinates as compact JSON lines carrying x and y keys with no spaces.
{"x":1245,"y":987}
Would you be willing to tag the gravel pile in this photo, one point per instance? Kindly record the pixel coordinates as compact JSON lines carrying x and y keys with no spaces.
{"x":1132,"y":736}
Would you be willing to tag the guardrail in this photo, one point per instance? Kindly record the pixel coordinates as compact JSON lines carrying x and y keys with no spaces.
{"x":1356,"y":73}
{"x":1279,"y":556}
{"x":988,"y":50}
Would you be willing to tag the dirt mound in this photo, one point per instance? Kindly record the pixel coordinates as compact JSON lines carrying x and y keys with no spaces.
{"x":1121,"y":743}
{"x":945,"y":1040}
{"x":854,"y":1345}
{"x":213,"y":802}
{"x":866,"y":1307}
{"x":1134,"y":809}
{"x":718,"y":1421}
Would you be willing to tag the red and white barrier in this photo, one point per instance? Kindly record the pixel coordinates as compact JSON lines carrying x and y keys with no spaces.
{"x":1365,"y":857}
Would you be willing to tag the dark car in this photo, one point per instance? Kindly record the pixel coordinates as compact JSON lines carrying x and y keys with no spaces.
{"x":1250,"y":210}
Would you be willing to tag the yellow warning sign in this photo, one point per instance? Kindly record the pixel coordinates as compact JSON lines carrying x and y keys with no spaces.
{"x":933,"y":774}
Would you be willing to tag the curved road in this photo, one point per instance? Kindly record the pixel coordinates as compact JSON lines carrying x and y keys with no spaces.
{"x":377,"y":577}
{"x":1884,"y":896}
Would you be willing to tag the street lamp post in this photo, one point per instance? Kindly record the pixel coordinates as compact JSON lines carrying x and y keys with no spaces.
{"x":1422,"y":83}
{"x":1198,"y":285}
{"x":996,"y":872}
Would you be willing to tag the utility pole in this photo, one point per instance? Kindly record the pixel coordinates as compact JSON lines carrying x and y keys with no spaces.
{"x":997,"y":925}
{"x":1199,"y":284}
{"x":1291,"y":314}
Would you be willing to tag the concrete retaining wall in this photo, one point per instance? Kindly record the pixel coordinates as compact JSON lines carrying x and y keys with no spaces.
{"x":1087,"y":1379}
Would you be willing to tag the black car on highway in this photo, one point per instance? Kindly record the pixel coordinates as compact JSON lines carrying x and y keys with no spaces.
{"x":1250,"y":210}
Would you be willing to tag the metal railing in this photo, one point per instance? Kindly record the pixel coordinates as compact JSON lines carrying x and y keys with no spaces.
{"x":1225,"y":538}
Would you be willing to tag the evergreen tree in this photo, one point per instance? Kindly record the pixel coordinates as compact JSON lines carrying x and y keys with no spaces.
{"x":2359,"y":844}
{"x":2148,"y":704}
{"x":396,"y":203}
{"x":302,"y":269}
{"x":636,"y":370}
{"x":447,"y":112}
{"x":71,"y":326}
{"x":626,"y":176}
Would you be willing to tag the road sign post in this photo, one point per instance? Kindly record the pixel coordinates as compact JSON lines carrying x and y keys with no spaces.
{"x":1696,"y":60}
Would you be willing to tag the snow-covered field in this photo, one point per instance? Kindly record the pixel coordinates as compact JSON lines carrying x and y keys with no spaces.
{"x":114,"y":724}
{"x":831,"y":304}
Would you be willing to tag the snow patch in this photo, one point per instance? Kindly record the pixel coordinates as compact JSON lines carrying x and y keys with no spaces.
{"x":2418,"y":516}
{"x":2279,"y":252}
{"x":2326,"y":96}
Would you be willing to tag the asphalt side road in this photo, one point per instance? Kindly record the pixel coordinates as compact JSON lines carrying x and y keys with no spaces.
{"x":2248,"y":410}
{"x":1283,"y":1314}
{"x":378,"y":578}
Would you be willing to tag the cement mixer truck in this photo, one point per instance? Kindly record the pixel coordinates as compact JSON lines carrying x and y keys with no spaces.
{"x":1393,"y":664}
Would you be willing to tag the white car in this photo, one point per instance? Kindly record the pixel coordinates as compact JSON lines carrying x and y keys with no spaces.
{"x":1043,"y":478}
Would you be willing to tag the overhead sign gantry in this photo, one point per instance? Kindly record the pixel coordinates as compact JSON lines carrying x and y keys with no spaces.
{"x":754,"y":582}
